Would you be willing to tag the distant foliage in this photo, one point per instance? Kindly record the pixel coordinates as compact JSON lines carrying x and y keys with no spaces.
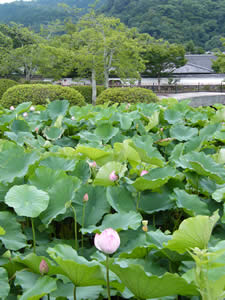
{"x":39,"y":94}
{"x":127,"y":95}
{"x":5,"y":84}
{"x":86,"y":91}
{"x":176,"y":21}
{"x":35,"y":13}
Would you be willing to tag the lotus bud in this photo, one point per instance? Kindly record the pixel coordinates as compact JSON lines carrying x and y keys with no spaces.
{"x":145,"y":225}
{"x":25,"y":114}
{"x":161,"y":129}
{"x":113,"y":176}
{"x":127,"y":106}
{"x":108,"y":241}
{"x":32,"y":108}
{"x":43,"y":267}
{"x":38,"y":112}
{"x":144,"y":172}
{"x":93,"y":164}
{"x":36,"y":129}
{"x":12,"y":107}
{"x":85,"y":198}
{"x":73,"y":118}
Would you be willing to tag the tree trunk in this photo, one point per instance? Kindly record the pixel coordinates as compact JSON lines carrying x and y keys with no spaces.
{"x":106,"y":77}
{"x":159,"y":84}
{"x":93,"y":84}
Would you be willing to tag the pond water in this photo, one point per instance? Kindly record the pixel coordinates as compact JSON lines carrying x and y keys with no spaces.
{"x":206,"y":100}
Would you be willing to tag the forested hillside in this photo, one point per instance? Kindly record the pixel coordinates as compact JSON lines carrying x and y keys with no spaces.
{"x":34,"y":13}
{"x":192,"y":22}
{"x":174,"y":20}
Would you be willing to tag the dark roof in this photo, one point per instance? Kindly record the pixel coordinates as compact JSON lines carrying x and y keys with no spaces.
{"x":197,"y":63}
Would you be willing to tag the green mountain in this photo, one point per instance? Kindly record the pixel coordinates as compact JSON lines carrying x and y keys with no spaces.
{"x":36,"y":12}
{"x":202,"y":22}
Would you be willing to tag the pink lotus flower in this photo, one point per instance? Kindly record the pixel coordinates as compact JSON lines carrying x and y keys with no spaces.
{"x":73,"y":118}
{"x":93,"y":164}
{"x":43,"y":267}
{"x":25,"y":114}
{"x":32,"y":108}
{"x":85,"y":198}
{"x":113,"y":176}
{"x":108,"y":241}
{"x":12,"y":107}
{"x":36,"y":129}
{"x":144,"y":172}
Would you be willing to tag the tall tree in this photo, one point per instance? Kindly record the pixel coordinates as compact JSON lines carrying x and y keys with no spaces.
{"x":162,"y":58}
{"x":103,"y":44}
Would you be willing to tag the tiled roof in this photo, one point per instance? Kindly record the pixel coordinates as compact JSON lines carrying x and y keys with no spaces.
{"x":197,"y":63}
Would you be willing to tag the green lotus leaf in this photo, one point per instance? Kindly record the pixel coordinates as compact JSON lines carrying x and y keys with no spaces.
{"x":124,"y":151}
{"x":20,"y":125}
{"x":96,"y":206}
{"x":146,"y":286}
{"x":120,"y":199}
{"x":102,"y":177}
{"x":124,"y":119}
{"x":209,"y":131}
{"x":155,"y":178}
{"x":4,"y":290}
{"x":32,"y":262}
{"x":13,"y":239}
{"x":56,"y":162}
{"x":79,"y":270}
{"x":118,"y":221}
{"x":27,"y":200}
{"x":193,"y":232}
{"x":173,"y":116}
{"x":65,"y":291}
{"x":57,"y":107}
{"x":203,"y":164}
{"x":22,"y":138}
{"x":146,"y":150}
{"x":14,"y":161}
{"x":22,"y":107}
{"x":43,"y":286}
{"x":2,"y":231}
{"x":151,"y":202}
{"x":219,"y":195}
{"x":190,"y":203}
{"x":53,"y":133}
{"x":153,"y":121}
{"x":105,"y":130}
{"x":60,"y":188}
{"x":182,"y":132}
{"x":92,"y":153}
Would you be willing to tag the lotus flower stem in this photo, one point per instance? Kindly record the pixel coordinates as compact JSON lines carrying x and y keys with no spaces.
{"x":83,"y":219}
{"x":33,"y":231}
{"x":75,"y":227}
{"x":138,"y":201}
{"x":74,"y":293}
{"x":107,"y":276}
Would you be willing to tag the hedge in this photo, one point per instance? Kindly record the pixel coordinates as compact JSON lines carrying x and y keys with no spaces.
{"x":5,"y":84}
{"x":86,"y":91}
{"x":39,"y":93}
{"x":127,"y":94}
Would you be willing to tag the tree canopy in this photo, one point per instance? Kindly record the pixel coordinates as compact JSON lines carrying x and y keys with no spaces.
{"x":178,"y":21}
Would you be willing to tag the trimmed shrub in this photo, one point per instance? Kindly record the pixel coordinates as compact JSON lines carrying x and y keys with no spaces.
{"x":39,"y":93}
{"x":86,"y":91}
{"x":5,"y":84}
{"x":127,"y":94}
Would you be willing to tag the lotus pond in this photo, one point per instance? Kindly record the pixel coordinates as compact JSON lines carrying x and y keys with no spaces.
{"x":154,"y":173}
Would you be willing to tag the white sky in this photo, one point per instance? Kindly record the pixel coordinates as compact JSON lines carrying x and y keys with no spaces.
{"x":8,"y":1}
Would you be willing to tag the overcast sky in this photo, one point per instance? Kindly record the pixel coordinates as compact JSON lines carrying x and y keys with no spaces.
{"x":8,"y":1}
